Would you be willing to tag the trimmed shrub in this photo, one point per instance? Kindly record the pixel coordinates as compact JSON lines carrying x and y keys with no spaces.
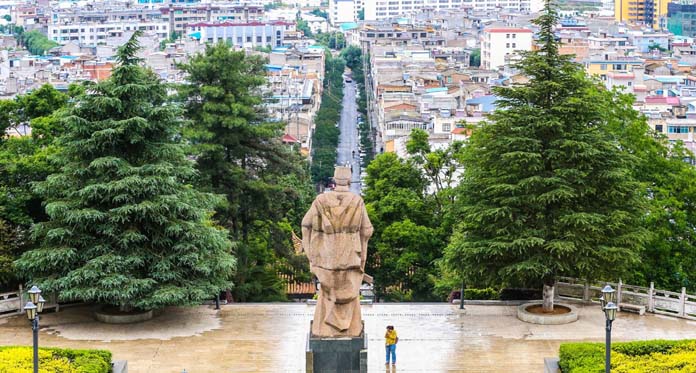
{"x":520,"y":294}
{"x":19,"y":359}
{"x":655,"y":356}
{"x":481,"y":294}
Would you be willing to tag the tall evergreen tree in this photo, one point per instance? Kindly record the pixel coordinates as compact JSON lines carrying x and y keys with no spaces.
{"x":547,"y":190}
{"x":239,"y":156}
{"x":125,"y":228}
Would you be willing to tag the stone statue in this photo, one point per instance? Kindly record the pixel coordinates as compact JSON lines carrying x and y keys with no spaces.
{"x":335,"y":232}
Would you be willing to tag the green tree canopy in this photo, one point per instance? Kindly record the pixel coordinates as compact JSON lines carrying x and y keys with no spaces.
{"x":126,"y":228}
{"x":240,"y":156}
{"x":547,"y":190}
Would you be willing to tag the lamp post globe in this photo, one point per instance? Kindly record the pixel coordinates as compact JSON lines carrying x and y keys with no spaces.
{"x":34,"y":294}
{"x":30,"y":309}
{"x":608,"y":294}
{"x":40,"y":305}
{"x":610,"y":311}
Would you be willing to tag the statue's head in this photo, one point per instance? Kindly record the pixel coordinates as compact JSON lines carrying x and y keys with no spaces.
{"x":342,"y":176}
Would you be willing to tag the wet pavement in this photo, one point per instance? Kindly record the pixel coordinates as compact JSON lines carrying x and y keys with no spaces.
{"x":272,"y":337}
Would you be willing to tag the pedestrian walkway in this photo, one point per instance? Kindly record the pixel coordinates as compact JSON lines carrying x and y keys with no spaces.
{"x":271,"y":337}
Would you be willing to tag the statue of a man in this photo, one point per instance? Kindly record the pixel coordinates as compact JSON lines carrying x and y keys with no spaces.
{"x":335,"y":232}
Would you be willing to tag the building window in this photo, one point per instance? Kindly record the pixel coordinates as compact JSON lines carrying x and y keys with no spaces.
{"x":507,"y":45}
{"x":446,"y":127}
{"x":513,"y":35}
{"x":677,"y":129}
{"x":658,"y":128}
{"x":507,"y":36}
{"x":604,"y":66}
{"x":514,"y":45}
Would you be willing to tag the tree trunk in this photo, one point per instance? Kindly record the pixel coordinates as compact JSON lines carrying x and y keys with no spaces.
{"x":548,"y":298}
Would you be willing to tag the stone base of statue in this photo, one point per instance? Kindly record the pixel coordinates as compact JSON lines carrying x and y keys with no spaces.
{"x":341,"y":354}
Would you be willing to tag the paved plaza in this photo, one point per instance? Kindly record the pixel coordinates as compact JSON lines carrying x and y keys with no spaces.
{"x":272,"y":337}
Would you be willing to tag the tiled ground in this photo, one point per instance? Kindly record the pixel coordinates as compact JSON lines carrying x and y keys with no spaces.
{"x":272,"y":337}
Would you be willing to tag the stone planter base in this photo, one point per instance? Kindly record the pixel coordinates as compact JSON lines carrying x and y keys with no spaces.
{"x":113,"y":318}
{"x":542,"y":319}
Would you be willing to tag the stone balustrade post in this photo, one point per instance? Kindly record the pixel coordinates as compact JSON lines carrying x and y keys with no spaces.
{"x":586,"y":292}
{"x":618,"y":293}
{"x":21,"y":299}
{"x":651,"y":298}
{"x":682,"y":302}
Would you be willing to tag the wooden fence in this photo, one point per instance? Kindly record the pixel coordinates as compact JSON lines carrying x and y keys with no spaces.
{"x":663,"y":302}
{"x":296,"y":289}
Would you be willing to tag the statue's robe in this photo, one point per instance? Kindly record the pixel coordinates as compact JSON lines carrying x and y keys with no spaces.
{"x":335,"y":231}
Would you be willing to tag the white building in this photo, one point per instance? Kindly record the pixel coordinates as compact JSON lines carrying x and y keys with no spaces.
{"x":93,"y":33}
{"x":243,"y":35}
{"x":386,"y":9}
{"x":343,"y":11}
{"x":499,"y":44}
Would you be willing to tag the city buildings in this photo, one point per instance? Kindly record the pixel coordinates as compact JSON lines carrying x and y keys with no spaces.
{"x":386,"y":9}
{"x":681,"y":19}
{"x":641,"y":12}
{"x":499,"y":45}
{"x":242,"y":35}
{"x":344,"y":11}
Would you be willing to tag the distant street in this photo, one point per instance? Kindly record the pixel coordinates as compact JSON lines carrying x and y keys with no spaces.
{"x":348,"y":140}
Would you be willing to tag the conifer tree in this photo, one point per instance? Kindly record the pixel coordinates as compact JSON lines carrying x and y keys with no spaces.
{"x":239,"y":155}
{"x":547,"y":191}
{"x":126,"y":228}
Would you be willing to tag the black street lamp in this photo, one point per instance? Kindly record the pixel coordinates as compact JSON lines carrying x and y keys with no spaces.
{"x":609,"y":307}
{"x":33,"y":308}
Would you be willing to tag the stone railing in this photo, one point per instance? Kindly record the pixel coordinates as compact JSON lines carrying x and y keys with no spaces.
{"x":657,"y":301}
{"x":12,"y":303}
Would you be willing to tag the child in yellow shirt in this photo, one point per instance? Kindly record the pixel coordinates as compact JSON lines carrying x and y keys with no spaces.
{"x":391,"y":340}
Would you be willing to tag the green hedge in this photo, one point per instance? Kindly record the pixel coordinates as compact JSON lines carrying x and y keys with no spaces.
{"x":655,"y":356}
{"x":481,"y":294}
{"x":19,"y":359}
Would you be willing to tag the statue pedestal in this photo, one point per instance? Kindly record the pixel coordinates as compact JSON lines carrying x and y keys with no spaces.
{"x":343,"y":354}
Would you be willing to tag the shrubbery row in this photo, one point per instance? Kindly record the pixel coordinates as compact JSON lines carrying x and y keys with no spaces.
{"x":15,"y":359}
{"x":654,"y":356}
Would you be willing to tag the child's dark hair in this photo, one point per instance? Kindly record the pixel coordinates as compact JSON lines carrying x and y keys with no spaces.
{"x":390,"y":327}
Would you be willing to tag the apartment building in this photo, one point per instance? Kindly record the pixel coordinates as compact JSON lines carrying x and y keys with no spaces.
{"x":641,"y":12}
{"x":387,"y":9}
{"x":499,"y":45}
{"x":181,"y":15}
{"x":681,"y":19}
{"x":344,"y":11}
{"x":242,"y":35}
{"x":94,"y":33}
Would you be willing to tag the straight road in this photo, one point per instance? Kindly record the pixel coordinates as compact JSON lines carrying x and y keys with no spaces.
{"x":348,"y":140}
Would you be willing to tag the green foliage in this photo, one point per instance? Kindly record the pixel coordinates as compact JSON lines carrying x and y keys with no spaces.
{"x":320,"y":13}
{"x":331,"y":40}
{"x":36,"y":42}
{"x":654,"y":356}
{"x":24,"y":160}
{"x":475,"y":58}
{"x":411,"y":222}
{"x":669,"y":254}
{"x":239,"y":156}
{"x":304,"y":27}
{"x":326,"y":132}
{"x":481,"y":294}
{"x":547,"y":190}
{"x":126,"y":228}
{"x":20,"y":359}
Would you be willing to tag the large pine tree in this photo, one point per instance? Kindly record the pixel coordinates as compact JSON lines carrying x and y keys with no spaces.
{"x":126,"y":228}
{"x":547,"y":190}
{"x":239,"y":155}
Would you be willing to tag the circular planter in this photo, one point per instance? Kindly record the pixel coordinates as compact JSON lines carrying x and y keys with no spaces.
{"x":547,"y":319}
{"x":110,"y":317}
